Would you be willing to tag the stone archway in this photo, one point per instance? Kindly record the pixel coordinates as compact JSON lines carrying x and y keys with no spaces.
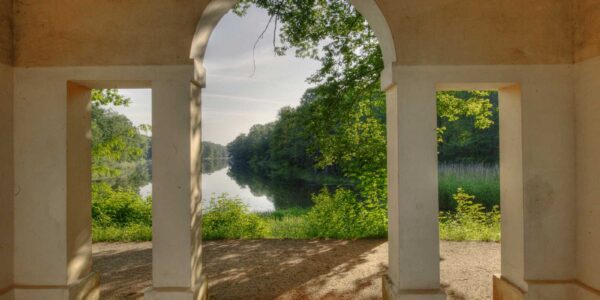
{"x":413,"y":229}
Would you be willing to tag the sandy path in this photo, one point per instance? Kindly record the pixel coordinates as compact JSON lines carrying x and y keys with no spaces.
{"x":297,"y":269}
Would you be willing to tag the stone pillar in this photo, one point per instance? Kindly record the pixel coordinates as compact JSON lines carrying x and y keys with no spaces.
{"x":413,"y":237}
{"x":52,"y":189}
{"x":176,"y":255}
{"x":588,"y":175}
{"x":6,"y":182}
{"x":511,"y":179}
{"x":537,"y":165}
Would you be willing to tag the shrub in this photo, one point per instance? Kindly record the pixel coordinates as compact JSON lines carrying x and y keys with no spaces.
{"x":119,"y":208}
{"x":470,"y":221}
{"x":342,"y":216}
{"x":229,"y":218}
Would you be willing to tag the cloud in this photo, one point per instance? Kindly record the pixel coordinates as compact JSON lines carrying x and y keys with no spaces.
{"x":233,"y":101}
{"x":277,"y":102}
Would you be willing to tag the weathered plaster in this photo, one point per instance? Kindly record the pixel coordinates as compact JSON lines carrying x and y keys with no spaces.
{"x":101,"y":33}
{"x":588,"y":172}
{"x":587,"y":29}
{"x":79,"y":182}
{"x":52,"y":261}
{"x":69,"y":33}
{"x":6,"y":36}
{"x":475,"y":32}
{"x":548,"y":163}
{"x":6,"y":177}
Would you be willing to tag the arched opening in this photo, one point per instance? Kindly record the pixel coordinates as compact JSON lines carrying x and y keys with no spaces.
{"x":424,"y":256}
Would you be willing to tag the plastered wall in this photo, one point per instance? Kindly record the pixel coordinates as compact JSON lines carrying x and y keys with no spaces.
{"x":587,"y":33}
{"x":475,"y":32}
{"x":6,"y":37}
{"x":588,"y":171}
{"x":6,"y":177}
{"x":137,"y":32}
{"x":95,"y":33}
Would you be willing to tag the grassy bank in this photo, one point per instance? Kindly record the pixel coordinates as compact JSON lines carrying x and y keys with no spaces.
{"x":229,"y":218}
{"x":482,"y":181}
{"x":468,"y":197}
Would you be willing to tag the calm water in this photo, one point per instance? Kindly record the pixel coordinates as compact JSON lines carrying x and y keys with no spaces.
{"x":260,"y":194}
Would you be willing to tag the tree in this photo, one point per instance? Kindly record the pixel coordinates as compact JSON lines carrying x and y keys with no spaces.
{"x":118,"y":147}
{"x":346,"y":110}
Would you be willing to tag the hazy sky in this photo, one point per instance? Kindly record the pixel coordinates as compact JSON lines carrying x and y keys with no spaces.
{"x":234,"y":100}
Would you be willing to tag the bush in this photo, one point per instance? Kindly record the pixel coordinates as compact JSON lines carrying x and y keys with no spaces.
{"x":341,"y":216}
{"x":470,"y":221}
{"x":229,"y":218}
{"x":119,"y":208}
{"x":120,"y":215}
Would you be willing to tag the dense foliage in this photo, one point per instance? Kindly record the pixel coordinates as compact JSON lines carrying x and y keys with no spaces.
{"x":339,"y":216}
{"x":121,"y":158}
{"x":120,"y":151}
{"x":339,"y":126}
{"x":337,"y":131}
{"x":473,"y":136}
{"x":229,"y":218}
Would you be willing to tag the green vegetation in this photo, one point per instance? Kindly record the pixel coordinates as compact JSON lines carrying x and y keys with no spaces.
{"x":129,"y":233}
{"x":339,"y":127}
{"x":120,"y":215}
{"x":337,"y":133}
{"x":212,"y":151}
{"x":121,"y":152}
{"x":121,"y":156}
{"x":482,"y":181}
{"x":470,"y":222}
{"x":229,"y":218}
{"x":339,"y":216}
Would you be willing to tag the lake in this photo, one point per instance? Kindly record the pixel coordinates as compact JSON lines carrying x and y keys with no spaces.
{"x":260,"y":194}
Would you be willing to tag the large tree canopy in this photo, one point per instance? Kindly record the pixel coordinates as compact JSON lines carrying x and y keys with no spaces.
{"x":343,"y":117}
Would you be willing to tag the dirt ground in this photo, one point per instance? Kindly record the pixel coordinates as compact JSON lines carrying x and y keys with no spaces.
{"x":296,"y":269}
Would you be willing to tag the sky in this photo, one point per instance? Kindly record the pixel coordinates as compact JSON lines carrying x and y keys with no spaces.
{"x":235,"y":99}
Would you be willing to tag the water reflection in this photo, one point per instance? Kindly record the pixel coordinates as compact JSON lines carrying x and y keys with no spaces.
{"x":258,"y":192}
{"x":210,"y":166}
{"x":283,"y":193}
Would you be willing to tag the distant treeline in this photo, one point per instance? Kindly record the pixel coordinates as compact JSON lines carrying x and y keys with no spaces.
{"x":213,"y":151}
{"x":286,"y":147}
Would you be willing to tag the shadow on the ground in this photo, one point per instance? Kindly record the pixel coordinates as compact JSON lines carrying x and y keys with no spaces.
{"x":124,"y":274}
{"x":256,"y":269}
{"x":268,"y":269}
{"x":296,"y":269}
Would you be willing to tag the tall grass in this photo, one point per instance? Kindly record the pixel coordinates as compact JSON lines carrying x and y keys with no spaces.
{"x":479,"y":180}
{"x":127,"y":233}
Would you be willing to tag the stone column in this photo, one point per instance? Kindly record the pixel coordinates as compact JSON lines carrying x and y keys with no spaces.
{"x":176,"y":256}
{"x":52,"y":189}
{"x":6,"y":182}
{"x":413,"y":237}
{"x":537,"y":165}
{"x":511,"y":179}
